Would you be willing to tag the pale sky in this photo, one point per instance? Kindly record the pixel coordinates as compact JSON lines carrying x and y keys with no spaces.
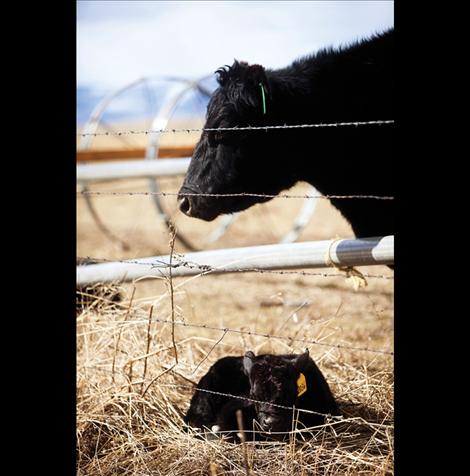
{"x":118,"y":42}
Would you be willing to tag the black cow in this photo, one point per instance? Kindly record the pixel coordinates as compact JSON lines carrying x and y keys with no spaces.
{"x":348,"y":84}
{"x":270,"y":383}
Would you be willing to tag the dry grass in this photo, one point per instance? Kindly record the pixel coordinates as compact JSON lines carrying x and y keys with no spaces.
{"x":131,"y":394}
{"x":129,"y":421}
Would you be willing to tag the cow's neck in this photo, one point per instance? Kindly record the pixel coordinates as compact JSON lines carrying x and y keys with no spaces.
{"x":354,"y":91}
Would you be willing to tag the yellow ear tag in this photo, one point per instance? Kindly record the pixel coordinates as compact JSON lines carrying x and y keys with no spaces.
{"x":301,"y":385}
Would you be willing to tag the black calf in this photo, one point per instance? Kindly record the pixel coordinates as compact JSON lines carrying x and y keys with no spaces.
{"x":273,"y":382}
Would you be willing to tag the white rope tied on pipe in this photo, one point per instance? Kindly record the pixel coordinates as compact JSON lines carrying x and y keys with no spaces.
{"x":353,"y":275}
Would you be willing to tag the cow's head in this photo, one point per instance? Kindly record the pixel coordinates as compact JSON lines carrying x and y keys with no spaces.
{"x":232,"y":162}
{"x":274,"y":379}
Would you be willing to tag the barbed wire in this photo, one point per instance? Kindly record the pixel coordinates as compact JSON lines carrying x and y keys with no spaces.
{"x":253,"y":400}
{"x":272,"y":336}
{"x":276,"y":405}
{"x":245,"y":128}
{"x":207,"y":269}
{"x":242,"y":194}
{"x":194,"y":387}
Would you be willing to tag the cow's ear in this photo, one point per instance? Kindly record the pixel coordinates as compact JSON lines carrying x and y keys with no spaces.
{"x":248,"y":362}
{"x":301,"y":361}
{"x":256,"y":78}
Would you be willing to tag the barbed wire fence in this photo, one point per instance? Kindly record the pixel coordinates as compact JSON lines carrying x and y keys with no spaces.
{"x":275,"y":405}
{"x":265,"y":335}
{"x":146,"y":168}
{"x":230,"y":195}
{"x":224,"y":330}
{"x":206,"y":269}
{"x":237,"y":129}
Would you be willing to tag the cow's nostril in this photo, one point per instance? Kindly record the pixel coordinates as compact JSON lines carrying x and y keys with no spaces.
{"x":185,"y":205}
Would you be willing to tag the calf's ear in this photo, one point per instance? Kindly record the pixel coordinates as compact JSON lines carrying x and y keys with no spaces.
{"x":301,"y":361}
{"x":248,"y":362}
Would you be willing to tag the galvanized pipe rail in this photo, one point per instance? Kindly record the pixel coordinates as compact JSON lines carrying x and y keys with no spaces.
{"x":309,"y":254}
{"x":132,"y":169}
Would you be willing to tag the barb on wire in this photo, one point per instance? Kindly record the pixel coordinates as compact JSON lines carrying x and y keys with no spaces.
{"x":207,"y":269}
{"x":246,"y":128}
{"x":219,"y":195}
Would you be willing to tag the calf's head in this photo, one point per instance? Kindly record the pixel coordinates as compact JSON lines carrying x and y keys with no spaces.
{"x":274,"y":379}
{"x":232,"y":162}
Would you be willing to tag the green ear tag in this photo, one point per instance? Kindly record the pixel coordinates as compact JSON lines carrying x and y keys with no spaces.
{"x":264,"y":99}
{"x":301,"y":385}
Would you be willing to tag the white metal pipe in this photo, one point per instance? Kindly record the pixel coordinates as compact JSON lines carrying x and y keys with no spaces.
{"x":132,"y":169}
{"x":309,"y":254}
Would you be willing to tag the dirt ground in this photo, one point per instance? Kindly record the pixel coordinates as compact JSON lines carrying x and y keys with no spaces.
{"x":131,"y":398}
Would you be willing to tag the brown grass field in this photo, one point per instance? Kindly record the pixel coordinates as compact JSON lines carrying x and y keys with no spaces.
{"x":130,"y":393}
